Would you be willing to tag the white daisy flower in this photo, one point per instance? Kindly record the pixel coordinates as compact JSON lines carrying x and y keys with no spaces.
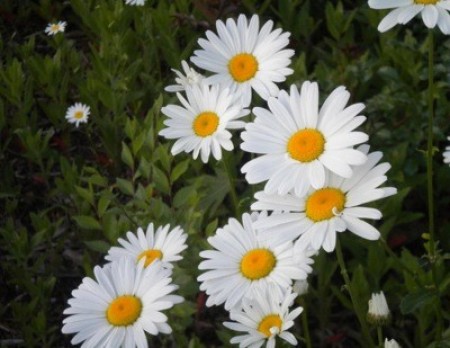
{"x":378,"y":313}
{"x":242,"y":263}
{"x":163,"y":245}
{"x":298,"y":142}
{"x":263,"y":317}
{"x":135,"y":2}
{"x":202,"y":125}
{"x":433,"y":12}
{"x":447,"y":153}
{"x":123,"y":302}
{"x":190,"y":77}
{"x":336,"y":207}
{"x":243,"y":57}
{"x":391,"y":344}
{"x":78,"y":113}
{"x":55,"y":28}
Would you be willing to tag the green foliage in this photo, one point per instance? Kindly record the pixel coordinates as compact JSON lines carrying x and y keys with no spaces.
{"x":68,"y":193}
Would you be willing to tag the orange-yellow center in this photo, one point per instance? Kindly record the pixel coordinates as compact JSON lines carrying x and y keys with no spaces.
{"x":426,"y":2}
{"x":78,"y":115}
{"x":150,"y":256}
{"x":205,"y":124}
{"x":54,"y":27}
{"x":323,"y":203}
{"x":243,"y":67}
{"x":124,"y":310}
{"x":306,"y":145}
{"x":268,"y":322}
{"x":257,"y":263}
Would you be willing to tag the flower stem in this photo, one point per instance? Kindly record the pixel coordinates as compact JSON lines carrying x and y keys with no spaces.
{"x":231,"y":181}
{"x":305,"y":325}
{"x":380,"y":336}
{"x":355,"y":301}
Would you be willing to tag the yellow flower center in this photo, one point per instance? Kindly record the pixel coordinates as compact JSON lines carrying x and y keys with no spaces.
{"x":243,"y":67}
{"x":150,"y":256}
{"x":257,"y":263}
{"x":306,"y":145}
{"x":124,"y":310}
{"x":205,"y":124}
{"x":321,"y":203}
{"x":426,"y":2}
{"x":78,"y":115}
{"x":268,"y":322}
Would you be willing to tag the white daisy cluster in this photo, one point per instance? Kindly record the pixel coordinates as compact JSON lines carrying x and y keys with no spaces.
{"x":128,"y":295}
{"x":316,"y":168}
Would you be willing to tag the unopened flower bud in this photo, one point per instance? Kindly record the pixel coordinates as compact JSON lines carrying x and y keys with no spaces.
{"x":391,"y":344}
{"x":378,"y":310}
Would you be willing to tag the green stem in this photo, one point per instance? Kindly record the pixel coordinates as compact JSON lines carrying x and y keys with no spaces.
{"x":305,"y":325}
{"x":233,"y":195}
{"x":355,"y":301}
{"x":380,"y":336}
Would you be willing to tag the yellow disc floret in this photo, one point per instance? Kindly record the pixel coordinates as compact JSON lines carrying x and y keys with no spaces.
{"x":306,"y":145}
{"x":426,"y":2}
{"x":243,"y":67}
{"x":324,"y":203}
{"x":78,"y":115}
{"x":257,"y":263}
{"x":150,"y":256}
{"x":124,"y":310}
{"x":268,"y":322}
{"x":205,"y":123}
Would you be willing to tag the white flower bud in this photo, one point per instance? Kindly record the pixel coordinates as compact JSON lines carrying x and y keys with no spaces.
{"x":391,"y":344}
{"x":378,"y":309}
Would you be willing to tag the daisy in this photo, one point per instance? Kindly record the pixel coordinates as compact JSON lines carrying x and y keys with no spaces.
{"x":242,"y":57}
{"x":190,"y":77}
{"x":447,"y":153}
{"x":391,"y":343}
{"x":298,"y":142}
{"x":202,"y":125}
{"x":55,"y":28}
{"x":317,"y":216}
{"x":123,"y":302}
{"x":135,"y":2}
{"x":163,"y":245}
{"x":241,"y":263}
{"x":78,"y":113}
{"x":433,"y":12}
{"x":263,"y":317}
{"x":378,"y":313}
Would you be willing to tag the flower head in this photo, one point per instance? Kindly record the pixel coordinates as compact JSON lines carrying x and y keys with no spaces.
{"x":190,"y":78}
{"x":321,"y":213}
{"x":263,"y":317}
{"x":163,"y":245}
{"x":433,"y":12}
{"x":299,"y":142}
{"x":55,"y":28}
{"x":391,"y":344}
{"x":122,"y":302}
{"x":244,"y":57}
{"x":135,"y":2}
{"x":446,"y":153}
{"x":78,"y":113}
{"x":378,"y":313}
{"x":242,"y":263}
{"x":201,"y":125}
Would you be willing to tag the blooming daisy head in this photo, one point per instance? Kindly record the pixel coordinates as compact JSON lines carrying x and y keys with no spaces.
{"x":321,"y":213}
{"x":298,"y":142}
{"x":447,"y":153}
{"x":241,"y":263}
{"x":189,"y":78}
{"x":135,"y":2}
{"x":263,"y":317}
{"x":391,"y":343}
{"x":120,"y":304}
{"x":432,"y":11}
{"x":378,"y":313}
{"x":243,"y":57}
{"x":163,"y":245}
{"x":55,"y":28}
{"x":78,"y":113}
{"x":202,"y":125}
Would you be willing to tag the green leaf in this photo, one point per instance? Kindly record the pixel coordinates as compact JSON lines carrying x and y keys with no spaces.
{"x":179,"y":170}
{"x":412,"y":302}
{"x":126,"y":156}
{"x":160,"y":180}
{"x":125,"y":186}
{"x":87,"y":222}
{"x":98,"y":245}
{"x":102,"y":205}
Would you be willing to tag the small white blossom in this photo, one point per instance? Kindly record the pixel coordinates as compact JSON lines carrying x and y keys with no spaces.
{"x":378,"y":309}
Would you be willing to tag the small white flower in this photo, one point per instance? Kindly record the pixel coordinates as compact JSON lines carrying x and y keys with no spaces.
{"x":391,"y":344}
{"x":433,"y":12}
{"x":190,"y":78}
{"x":135,"y":2}
{"x":263,"y":317}
{"x":123,"y":302}
{"x":447,"y":153}
{"x":160,"y":245}
{"x":55,"y":28}
{"x":378,"y":313}
{"x":78,"y":113}
{"x":243,"y":57}
{"x":202,"y":125}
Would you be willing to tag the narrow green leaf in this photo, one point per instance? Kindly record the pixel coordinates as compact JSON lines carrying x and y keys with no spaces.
{"x":87,"y":222}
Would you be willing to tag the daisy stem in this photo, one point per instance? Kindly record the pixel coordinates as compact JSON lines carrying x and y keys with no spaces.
{"x":305,"y":324}
{"x":355,"y":300}
{"x":233,"y":195}
{"x":380,"y":336}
